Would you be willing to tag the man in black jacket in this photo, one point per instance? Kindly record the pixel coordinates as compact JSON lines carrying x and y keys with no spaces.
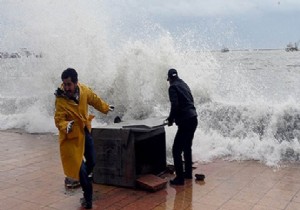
{"x":183,"y":112}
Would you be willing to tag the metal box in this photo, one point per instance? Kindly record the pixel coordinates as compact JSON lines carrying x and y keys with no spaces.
{"x":127,"y":150}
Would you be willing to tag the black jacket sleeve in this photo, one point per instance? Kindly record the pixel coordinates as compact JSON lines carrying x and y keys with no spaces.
{"x":173,"y":95}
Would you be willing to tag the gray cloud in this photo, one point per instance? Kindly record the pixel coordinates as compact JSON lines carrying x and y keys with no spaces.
{"x":213,"y":19}
{"x":202,"y":8}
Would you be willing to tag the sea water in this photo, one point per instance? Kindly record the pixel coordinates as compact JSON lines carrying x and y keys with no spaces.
{"x":247,"y":100}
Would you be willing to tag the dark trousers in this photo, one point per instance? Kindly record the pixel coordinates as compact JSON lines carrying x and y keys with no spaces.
{"x":87,"y":167}
{"x":183,"y":144}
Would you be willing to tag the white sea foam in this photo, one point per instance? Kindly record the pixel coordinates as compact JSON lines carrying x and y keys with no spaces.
{"x":247,"y":101}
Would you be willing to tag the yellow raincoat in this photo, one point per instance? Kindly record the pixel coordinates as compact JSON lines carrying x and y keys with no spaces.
{"x":72,"y":144}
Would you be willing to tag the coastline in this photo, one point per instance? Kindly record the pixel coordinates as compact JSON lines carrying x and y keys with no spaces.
{"x":32,"y":178}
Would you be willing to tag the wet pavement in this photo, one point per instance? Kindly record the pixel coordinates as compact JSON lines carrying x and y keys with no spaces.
{"x":31,"y":177}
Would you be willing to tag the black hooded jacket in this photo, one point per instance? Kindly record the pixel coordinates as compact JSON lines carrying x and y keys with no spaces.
{"x":182,"y":102}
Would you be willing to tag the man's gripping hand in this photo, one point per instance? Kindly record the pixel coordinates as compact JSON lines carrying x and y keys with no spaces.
{"x":69,"y":126}
{"x":169,"y":122}
{"x":111,"y":108}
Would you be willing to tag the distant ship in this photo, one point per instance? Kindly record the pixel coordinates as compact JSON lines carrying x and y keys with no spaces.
{"x":224,"y":49}
{"x":290,"y":47}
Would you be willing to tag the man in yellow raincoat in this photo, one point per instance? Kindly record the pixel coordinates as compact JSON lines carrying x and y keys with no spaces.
{"x":74,"y":124}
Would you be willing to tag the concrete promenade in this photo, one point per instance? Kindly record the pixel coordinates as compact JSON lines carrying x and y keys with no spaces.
{"x":31,"y":178}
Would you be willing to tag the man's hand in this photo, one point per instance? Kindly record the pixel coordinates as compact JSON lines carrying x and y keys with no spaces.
{"x":169,"y":122}
{"x":69,"y":126}
{"x":111,"y":108}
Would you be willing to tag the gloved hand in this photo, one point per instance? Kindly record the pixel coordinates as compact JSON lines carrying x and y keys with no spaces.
{"x":111,"y":108}
{"x":69,"y":126}
{"x":169,"y":122}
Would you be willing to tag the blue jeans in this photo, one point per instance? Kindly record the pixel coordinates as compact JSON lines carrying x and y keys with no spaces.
{"x":87,"y":167}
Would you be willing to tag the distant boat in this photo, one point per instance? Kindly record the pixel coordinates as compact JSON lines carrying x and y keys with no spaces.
{"x":290,"y":47}
{"x":224,"y":49}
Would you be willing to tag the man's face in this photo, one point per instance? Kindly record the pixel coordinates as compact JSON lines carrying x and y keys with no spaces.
{"x":69,"y":86}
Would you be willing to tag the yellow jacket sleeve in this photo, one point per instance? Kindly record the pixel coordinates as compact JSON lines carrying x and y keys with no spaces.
{"x":60,"y":117}
{"x":97,"y":102}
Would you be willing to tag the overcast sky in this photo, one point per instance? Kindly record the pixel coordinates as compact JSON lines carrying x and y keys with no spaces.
{"x":216,"y":23}
{"x":230,"y":23}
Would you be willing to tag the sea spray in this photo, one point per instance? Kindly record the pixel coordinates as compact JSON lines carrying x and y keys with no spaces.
{"x":247,"y":101}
